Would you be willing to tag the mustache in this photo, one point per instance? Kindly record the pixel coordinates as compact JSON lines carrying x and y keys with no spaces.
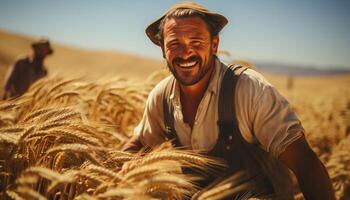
{"x":190,"y":59}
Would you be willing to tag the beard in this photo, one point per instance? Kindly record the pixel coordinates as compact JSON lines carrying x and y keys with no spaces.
{"x":188,"y":76}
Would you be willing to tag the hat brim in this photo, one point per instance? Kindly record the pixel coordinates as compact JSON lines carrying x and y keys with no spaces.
{"x":153,"y":29}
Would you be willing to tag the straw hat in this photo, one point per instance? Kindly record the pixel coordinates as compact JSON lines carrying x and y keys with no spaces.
{"x":153,"y":29}
{"x":43,"y":43}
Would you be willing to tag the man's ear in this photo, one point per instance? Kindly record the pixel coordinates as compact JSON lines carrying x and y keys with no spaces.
{"x":215,"y":44}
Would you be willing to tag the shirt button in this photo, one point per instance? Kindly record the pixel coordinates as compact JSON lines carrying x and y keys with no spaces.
{"x":228,"y":147}
{"x":230,"y":137}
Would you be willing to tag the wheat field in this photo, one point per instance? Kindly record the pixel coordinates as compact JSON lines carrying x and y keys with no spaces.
{"x":62,"y":140}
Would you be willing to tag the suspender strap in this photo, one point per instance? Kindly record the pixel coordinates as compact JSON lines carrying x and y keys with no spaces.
{"x":168,"y":112}
{"x":227,"y":115}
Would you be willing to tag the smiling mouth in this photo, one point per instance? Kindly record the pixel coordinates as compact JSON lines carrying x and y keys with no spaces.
{"x":187,"y":64}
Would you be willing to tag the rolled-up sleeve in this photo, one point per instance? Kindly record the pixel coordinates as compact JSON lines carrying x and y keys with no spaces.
{"x":269,"y":118}
{"x":151,"y":127}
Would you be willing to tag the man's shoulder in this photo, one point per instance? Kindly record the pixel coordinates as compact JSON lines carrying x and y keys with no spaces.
{"x":158,"y":90}
{"x":253,"y":78}
{"x":248,"y":76}
{"x":251,"y":85}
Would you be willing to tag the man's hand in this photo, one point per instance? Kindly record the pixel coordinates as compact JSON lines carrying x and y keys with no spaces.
{"x":312,"y":176}
{"x":133,"y":145}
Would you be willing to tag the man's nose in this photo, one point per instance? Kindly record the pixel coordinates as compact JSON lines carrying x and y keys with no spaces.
{"x":186,"y":51}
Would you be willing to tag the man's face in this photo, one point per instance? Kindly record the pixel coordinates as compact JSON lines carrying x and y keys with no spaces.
{"x":189,"y":48}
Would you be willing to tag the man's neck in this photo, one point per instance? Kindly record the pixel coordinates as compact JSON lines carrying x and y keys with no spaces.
{"x":191,"y":96}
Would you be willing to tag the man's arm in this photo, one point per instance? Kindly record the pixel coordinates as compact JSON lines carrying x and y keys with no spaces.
{"x":151,"y":127}
{"x":133,"y":145}
{"x":12,"y":78}
{"x":268,"y":117}
{"x":312,"y":176}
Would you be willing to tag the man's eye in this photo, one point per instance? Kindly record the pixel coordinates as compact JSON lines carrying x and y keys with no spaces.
{"x":173,"y":45}
{"x":196,"y":43}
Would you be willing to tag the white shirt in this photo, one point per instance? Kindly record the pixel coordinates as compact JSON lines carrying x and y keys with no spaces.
{"x":264,"y":115}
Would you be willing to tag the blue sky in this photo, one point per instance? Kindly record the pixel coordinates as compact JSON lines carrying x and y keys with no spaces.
{"x":312,"y":32}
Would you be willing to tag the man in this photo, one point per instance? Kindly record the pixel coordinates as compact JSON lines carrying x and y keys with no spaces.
{"x":27,"y":70}
{"x":188,"y":35}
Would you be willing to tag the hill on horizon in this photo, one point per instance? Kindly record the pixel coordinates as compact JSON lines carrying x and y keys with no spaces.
{"x":76,"y":62}
{"x":71,"y":62}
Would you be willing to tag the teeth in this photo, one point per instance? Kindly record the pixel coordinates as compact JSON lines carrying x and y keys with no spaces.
{"x":188,"y":64}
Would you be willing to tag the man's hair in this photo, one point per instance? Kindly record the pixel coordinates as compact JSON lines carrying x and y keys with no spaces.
{"x":187,"y":12}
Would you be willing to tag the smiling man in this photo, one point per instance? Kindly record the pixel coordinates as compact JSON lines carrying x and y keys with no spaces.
{"x":225,"y":111}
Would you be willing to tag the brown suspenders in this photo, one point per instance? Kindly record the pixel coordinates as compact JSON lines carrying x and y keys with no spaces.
{"x":227,"y":117}
{"x":168,"y":110}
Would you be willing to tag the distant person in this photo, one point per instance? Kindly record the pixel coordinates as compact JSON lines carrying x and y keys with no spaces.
{"x":27,"y":70}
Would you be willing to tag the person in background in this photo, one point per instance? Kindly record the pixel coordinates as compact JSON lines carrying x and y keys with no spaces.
{"x":27,"y":70}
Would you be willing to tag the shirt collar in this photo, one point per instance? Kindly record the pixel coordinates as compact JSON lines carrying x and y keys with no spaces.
{"x":213,"y":82}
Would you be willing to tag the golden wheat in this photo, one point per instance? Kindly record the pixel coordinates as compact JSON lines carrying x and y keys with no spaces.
{"x":62,"y":140}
